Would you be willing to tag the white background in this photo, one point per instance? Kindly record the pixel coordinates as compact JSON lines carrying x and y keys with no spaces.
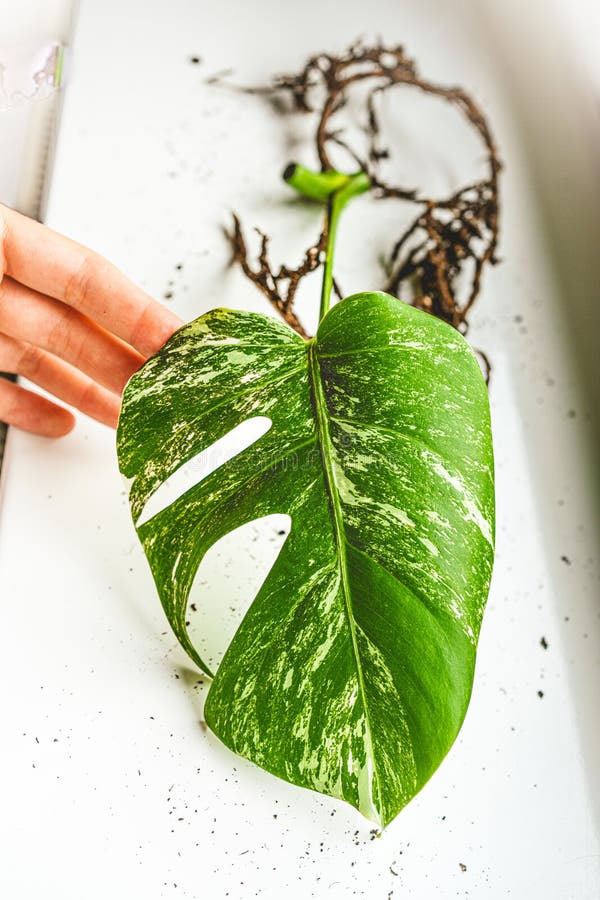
{"x":28,"y":28}
{"x":110,"y":783}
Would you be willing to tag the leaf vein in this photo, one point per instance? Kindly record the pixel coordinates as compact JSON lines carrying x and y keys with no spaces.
{"x":325,"y":443}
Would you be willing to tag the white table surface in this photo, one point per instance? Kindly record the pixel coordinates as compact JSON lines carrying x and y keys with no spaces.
{"x":110,"y":783}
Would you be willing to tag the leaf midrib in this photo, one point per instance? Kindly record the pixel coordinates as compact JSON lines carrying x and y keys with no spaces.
{"x":326,"y":448}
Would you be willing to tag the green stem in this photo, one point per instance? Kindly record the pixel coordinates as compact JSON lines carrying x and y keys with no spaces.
{"x":337,"y":189}
{"x":331,"y":221}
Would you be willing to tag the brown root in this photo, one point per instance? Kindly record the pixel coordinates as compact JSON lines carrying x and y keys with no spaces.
{"x":279,"y":287}
{"x":450,"y":241}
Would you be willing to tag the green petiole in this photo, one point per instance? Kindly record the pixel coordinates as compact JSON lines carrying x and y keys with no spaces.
{"x":336,"y":189}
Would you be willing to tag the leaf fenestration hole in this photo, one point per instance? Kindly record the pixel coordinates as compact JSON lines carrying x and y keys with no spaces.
{"x":228,"y":580}
{"x":198,"y":467}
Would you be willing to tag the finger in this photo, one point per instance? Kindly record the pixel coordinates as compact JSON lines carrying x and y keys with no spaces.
{"x":28,"y":316}
{"x":31,"y":412}
{"x":60,"y":379}
{"x":54,"y":265}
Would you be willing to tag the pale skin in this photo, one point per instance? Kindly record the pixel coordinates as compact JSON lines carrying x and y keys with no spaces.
{"x":71,"y":323}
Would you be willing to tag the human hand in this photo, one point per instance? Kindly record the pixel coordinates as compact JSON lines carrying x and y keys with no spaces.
{"x":70,"y":322}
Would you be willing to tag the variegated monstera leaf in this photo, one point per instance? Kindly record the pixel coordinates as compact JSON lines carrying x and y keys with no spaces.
{"x":352,"y":670}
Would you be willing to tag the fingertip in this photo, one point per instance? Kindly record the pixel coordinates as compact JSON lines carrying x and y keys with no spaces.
{"x":154,"y":328}
{"x":43,"y":417}
{"x":59,"y":424}
{"x":32,"y":412}
{"x":112,"y":415}
{"x":100,"y":404}
{"x":162,"y":332}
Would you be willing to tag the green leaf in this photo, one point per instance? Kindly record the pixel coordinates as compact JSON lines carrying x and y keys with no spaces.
{"x":352,"y":670}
